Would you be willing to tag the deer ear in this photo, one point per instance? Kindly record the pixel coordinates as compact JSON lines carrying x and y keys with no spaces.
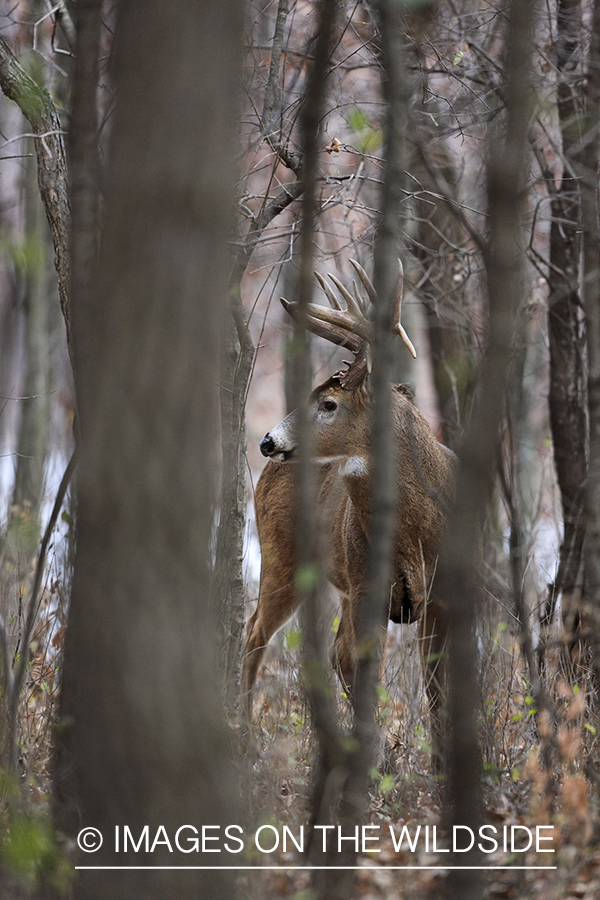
{"x":405,"y":389}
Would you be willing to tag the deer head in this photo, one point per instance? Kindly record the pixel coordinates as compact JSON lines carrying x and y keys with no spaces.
{"x":339,"y":409}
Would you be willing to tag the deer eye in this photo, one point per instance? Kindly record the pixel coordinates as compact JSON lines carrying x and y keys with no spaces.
{"x":329,"y":405}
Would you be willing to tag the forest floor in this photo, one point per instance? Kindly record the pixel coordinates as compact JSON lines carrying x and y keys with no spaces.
{"x":520,"y":793}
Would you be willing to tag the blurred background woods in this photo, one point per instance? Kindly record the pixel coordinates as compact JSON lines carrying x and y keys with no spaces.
{"x":535,"y":637}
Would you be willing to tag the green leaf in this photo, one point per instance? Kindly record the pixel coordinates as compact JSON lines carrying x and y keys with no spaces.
{"x":307,"y":577}
{"x":349,"y":744}
{"x":383,"y":693}
{"x":424,"y":745}
{"x":387,"y":784}
{"x":367,"y":138}
{"x":357,"y":120}
{"x":293,"y":639}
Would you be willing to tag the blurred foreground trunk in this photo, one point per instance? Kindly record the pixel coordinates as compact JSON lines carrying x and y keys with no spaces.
{"x":341,"y":790}
{"x":142,"y":739}
{"x":456,"y":577}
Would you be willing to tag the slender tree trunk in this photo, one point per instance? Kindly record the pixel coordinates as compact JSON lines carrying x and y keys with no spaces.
{"x":513,"y":477}
{"x":588,"y":161}
{"x":229,"y":591}
{"x":38,"y":107}
{"x":444,"y":301}
{"x":565,"y":325}
{"x":374,"y":608}
{"x":310,"y":571}
{"x":290,"y":356}
{"x":345,"y":771}
{"x":32,"y":445}
{"x":456,"y":581}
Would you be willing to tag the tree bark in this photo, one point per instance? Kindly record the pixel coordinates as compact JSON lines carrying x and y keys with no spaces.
{"x":373,"y":613}
{"x":142,"y":739}
{"x":566,"y":396}
{"x":38,"y":108}
{"x":345,"y":770}
{"x":588,"y":167}
{"x":237,"y":360}
{"x":24,"y":528}
{"x":310,"y":564}
{"x":457,"y":583}
{"x":445,"y":303}
{"x":229,"y":592}
{"x":84,"y":161}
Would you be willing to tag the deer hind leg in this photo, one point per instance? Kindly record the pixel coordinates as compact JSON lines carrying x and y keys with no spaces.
{"x":275,"y":606}
{"x":432,"y":641}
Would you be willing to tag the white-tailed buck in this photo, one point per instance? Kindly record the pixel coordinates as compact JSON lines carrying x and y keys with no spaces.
{"x":340,"y":412}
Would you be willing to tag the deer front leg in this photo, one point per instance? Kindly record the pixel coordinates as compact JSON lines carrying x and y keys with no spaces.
{"x":343,"y":651}
{"x":275,"y":521}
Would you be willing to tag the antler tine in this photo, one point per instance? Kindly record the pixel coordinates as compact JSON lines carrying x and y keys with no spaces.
{"x":368,"y":285}
{"x":328,"y":292}
{"x":353,"y":308}
{"x":342,"y":319}
{"x":398,"y":328}
{"x":350,"y":327}
{"x":360,"y":299}
{"x":335,"y":332}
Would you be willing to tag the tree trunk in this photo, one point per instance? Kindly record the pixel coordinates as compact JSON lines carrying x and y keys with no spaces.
{"x":445,"y":304}
{"x":84,"y":160}
{"x":229,"y":592}
{"x":32,"y":445}
{"x":384,"y":496}
{"x":141,"y":735}
{"x":38,"y":107}
{"x":456,"y":581}
{"x":588,"y":167}
{"x":566,"y":396}
{"x":310,"y":570}
{"x":236,"y":367}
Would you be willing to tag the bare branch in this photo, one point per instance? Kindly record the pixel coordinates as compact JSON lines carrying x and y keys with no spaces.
{"x":273,"y":91}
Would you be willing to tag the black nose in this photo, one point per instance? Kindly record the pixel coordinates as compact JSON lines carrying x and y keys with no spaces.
{"x":267,"y":445}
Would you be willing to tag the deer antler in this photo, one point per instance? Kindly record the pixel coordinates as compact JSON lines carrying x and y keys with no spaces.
{"x":350,"y":327}
{"x":397,"y":310}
